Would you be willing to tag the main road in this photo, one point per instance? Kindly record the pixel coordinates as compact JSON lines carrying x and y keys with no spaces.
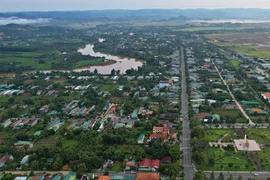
{"x":185,"y":146}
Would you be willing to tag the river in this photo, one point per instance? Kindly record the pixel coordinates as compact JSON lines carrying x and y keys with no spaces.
{"x":121,"y":63}
{"x":117,"y":63}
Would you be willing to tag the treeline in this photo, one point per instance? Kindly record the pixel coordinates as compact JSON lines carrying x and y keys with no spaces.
{"x":13,"y":67}
{"x":69,"y":61}
{"x":16,"y":49}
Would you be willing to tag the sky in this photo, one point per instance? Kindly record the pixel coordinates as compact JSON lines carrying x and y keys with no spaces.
{"x":62,"y":5}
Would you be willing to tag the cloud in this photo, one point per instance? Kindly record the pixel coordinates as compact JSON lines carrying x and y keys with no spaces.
{"x":15,"y":20}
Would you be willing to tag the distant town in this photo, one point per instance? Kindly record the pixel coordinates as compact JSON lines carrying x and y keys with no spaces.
{"x":139,"y":100}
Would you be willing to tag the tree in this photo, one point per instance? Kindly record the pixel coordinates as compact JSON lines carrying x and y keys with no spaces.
{"x":35,"y":165}
{"x":95,"y":71}
{"x":58,"y":163}
{"x":212,"y":177}
{"x":113,"y":72}
{"x":199,"y":175}
{"x":221,"y":176}
{"x":230,"y":178}
{"x":81,"y":169}
{"x":211,"y":162}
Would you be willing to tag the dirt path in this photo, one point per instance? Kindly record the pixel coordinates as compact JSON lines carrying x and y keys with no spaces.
{"x":220,"y":141}
{"x":230,"y":92}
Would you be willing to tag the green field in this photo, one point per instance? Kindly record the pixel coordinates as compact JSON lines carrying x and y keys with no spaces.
{"x":261,"y":136}
{"x":233,"y":113}
{"x":251,"y":51}
{"x":3,"y":100}
{"x":202,"y":28}
{"x":107,"y":87}
{"x":235,"y":63}
{"x":213,"y":135}
{"x":226,"y":160}
{"x":69,"y":143}
{"x":264,"y":156}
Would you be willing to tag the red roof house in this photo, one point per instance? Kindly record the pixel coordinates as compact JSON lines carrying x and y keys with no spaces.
{"x":145,"y":163}
{"x":266,"y":96}
{"x":147,"y":176}
{"x":155,"y":163}
{"x":154,"y":136}
{"x":166,"y":159}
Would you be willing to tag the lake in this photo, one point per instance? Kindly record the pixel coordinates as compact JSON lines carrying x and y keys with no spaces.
{"x":121,"y":63}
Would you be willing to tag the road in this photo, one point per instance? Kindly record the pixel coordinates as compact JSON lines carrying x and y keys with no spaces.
{"x":245,"y":175}
{"x":238,"y":126}
{"x":236,"y":102}
{"x":185,"y":147}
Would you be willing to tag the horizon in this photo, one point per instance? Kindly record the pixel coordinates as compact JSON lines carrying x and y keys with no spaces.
{"x":76,"y":10}
{"x":82,"y":5}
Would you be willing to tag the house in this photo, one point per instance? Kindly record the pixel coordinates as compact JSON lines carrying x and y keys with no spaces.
{"x":104,"y":178}
{"x":148,"y":165}
{"x":165,"y":83}
{"x":44,"y":109}
{"x":154,"y":136}
{"x":256,"y":111}
{"x":25,"y":160}
{"x":266,"y":96}
{"x":140,"y":139}
{"x":6,"y":123}
{"x":70,"y":176}
{"x":157,"y":130}
{"x":147,"y":176}
{"x":4,"y":159}
{"x":20,"y":178}
{"x":57,"y":177}
{"x":161,"y":131}
{"x":249,"y":103}
{"x":202,"y":115}
{"x":134,"y":114}
{"x":117,"y":177}
{"x":166,"y":159}
{"x":38,"y":177}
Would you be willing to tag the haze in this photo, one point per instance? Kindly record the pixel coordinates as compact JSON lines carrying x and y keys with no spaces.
{"x":48,"y":5}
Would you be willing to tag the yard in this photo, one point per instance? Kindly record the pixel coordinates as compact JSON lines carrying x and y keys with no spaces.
{"x":107,"y":87}
{"x":213,"y":135}
{"x":117,"y":167}
{"x":232,"y":113}
{"x":235,"y":63}
{"x":226,"y":160}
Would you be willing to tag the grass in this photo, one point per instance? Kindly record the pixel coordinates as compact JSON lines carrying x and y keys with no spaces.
{"x":117,"y":167}
{"x":89,"y":63}
{"x":252,"y":51}
{"x":264,"y":155}
{"x":206,"y":28}
{"x":3,"y":100}
{"x":213,"y":135}
{"x":235,"y":63}
{"x":262,"y":136}
{"x":107,"y":87}
{"x":48,"y":142}
{"x":222,"y":159}
{"x":69,"y":143}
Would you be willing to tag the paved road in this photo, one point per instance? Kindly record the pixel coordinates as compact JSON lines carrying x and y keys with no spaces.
{"x":187,"y":162}
{"x":236,"y":102}
{"x":245,"y":175}
{"x":238,"y":126}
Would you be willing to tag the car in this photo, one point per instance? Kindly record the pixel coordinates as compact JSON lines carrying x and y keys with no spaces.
{"x":255,"y":174}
